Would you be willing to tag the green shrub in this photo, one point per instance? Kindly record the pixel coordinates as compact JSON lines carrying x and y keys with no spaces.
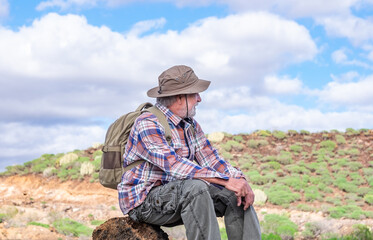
{"x":253,"y":143}
{"x":279,"y":225}
{"x":311,"y":231}
{"x":353,"y":152}
{"x":284,"y":158}
{"x":264,"y":133}
{"x":356,"y":178}
{"x":294,"y":182}
{"x":354,"y":166}
{"x":68,"y":226}
{"x":344,"y":185}
{"x":274,"y":165}
{"x":369,"y":199}
{"x":297,"y":169}
{"x":305,"y":208}
{"x":368,"y":171}
{"x":279,"y":135}
{"x":352,"y":132}
{"x":363,"y":191}
{"x":292,"y":132}
{"x":340,"y":139}
{"x":296,"y":148}
{"x":311,"y":193}
{"x":360,"y":232}
{"x":39,"y":224}
{"x":270,"y":236}
{"x":238,"y":138}
{"x":347,"y":211}
{"x":328,"y":144}
{"x":97,"y":222}
{"x":280,"y":195}
{"x":304,"y":132}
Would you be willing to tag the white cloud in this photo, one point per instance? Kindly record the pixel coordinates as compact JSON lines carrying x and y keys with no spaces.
{"x":357,"y":30}
{"x":339,"y":56}
{"x":144,"y":26}
{"x":4,"y":8}
{"x":65,"y":4}
{"x":63,"y":68}
{"x":346,"y":77}
{"x":22,"y":142}
{"x":353,"y":95}
{"x":283,"y":85}
{"x":269,"y":113}
{"x":290,"y":8}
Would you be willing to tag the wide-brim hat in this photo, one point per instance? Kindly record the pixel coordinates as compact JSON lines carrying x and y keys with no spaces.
{"x":178,"y":80}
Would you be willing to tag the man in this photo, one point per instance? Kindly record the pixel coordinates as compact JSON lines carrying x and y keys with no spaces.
{"x":186,"y":182}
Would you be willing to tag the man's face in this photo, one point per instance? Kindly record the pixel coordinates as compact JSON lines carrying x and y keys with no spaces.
{"x":193,"y":100}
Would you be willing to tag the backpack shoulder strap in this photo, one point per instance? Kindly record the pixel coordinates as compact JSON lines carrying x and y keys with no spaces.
{"x":163,"y":120}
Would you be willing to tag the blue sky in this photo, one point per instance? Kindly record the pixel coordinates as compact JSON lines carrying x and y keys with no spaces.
{"x":68,"y":68}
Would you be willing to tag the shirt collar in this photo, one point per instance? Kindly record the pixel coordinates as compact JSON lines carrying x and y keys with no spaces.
{"x":169,"y":114}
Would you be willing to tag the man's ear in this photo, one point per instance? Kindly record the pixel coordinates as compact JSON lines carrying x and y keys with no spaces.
{"x":179,"y":99}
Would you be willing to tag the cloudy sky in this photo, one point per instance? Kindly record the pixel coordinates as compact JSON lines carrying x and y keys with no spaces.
{"x":68,"y":68}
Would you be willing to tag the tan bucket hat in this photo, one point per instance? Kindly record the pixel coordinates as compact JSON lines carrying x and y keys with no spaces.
{"x":177,"y":80}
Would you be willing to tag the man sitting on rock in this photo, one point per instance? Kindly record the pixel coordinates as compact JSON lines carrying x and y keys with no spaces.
{"x":186,"y":182}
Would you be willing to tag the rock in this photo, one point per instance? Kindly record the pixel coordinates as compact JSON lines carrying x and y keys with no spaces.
{"x":216,"y":137}
{"x":124,"y":228}
{"x":260,"y":197}
{"x":68,"y":158}
{"x":49,"y":172}
{"x":87,"y":168}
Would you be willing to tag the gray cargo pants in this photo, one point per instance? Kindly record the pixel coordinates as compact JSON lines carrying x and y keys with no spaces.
{"x":195,"y":204}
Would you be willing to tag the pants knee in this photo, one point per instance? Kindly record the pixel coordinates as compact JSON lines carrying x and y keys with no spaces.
{"x":193,"y":187}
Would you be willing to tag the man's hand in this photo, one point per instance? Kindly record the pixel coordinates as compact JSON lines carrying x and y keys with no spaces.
{"x":242,"y":190}
{"x":240,"y":187}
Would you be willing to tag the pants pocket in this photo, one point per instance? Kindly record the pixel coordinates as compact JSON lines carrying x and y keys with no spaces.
{"x":165,"y":200}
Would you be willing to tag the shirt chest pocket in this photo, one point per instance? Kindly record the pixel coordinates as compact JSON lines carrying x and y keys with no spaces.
{"x":181,"y":148}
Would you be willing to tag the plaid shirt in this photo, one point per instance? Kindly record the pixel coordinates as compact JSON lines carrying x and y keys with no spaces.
{"x":190,"y":155}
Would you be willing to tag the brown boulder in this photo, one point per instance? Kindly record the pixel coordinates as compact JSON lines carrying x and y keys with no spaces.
{"x":124,"y":228}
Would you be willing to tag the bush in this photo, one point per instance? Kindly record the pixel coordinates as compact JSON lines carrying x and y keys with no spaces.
{"x":340,"y":139}
{"x":311,"y":193}
{"x":328,"y":144}
{"x":296,"y":148}
{"x":264,"y":133}
{"x":361,"y":232}
{"x":311,"y":231}
{"x":369,"y":199}
{"x":279,"y":225}
{"x":238,"y":138}
{"x":304,"y":132}
{"x":280,"y":195}
{"x":284,"y":158}
{"x":68,"y":226}
{"x":293,"y":182}
{"x":39,"y":224}
{"x":279,"y":135}
{"x":347,"y":211}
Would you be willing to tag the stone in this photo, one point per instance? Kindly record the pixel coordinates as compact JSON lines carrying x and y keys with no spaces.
{"x":68,"y":158}
{"x":216,"y":137}
{"x":124,"y":228}
{"x":87,"y":168}
{"x":260,"y":197}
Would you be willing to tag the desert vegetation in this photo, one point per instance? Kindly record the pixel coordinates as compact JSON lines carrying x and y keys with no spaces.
{"x":329,"y":172}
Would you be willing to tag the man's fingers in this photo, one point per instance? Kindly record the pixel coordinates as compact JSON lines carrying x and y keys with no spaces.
{"x":239,"y":201}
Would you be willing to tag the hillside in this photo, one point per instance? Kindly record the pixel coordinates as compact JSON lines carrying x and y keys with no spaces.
{"x":323,"y":182}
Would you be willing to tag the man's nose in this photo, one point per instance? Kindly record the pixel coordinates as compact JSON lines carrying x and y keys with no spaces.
{"x":198,"y":98}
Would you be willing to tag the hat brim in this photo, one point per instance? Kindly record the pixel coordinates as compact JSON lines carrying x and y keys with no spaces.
{"x":199,"y":86}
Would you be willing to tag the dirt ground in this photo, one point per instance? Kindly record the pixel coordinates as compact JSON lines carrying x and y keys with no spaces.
{"x":44,"y":200}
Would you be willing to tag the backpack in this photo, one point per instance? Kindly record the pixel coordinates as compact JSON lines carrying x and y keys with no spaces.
{"x":112,"y":169}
